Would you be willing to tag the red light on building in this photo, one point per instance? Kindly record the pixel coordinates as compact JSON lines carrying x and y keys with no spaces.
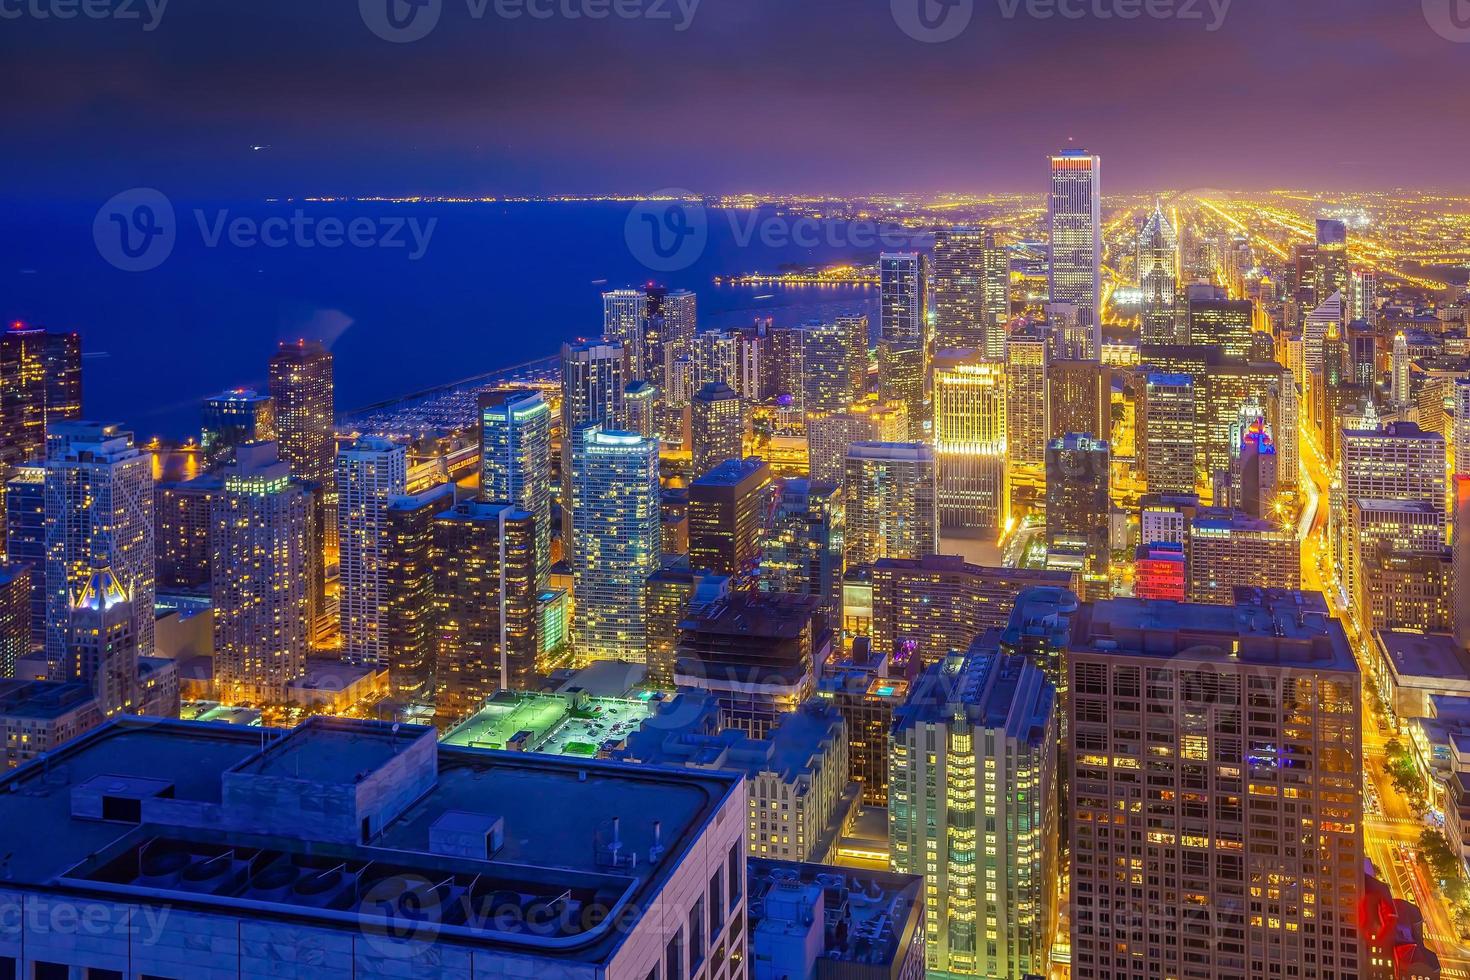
{"x":1159,"y":573}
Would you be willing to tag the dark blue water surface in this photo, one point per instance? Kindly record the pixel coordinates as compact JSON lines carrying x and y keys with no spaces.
{"x":497,"y":284}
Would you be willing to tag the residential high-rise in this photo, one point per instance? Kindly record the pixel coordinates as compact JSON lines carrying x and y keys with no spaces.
{"x":1074,"y":217}
{"x":995,"y":296}
{"x":727,"y":508}
{"x":301,"y":386}
{"x":718,"y":427}
{"x":972,"y":806}
{"x":259,"y":543}
{"x":1230,"y":549}
{"x":855,"y":327}
{"x":15,"y":615}
{"x":25,"y":537}
{"x":594,"y":377}
{"x":615,"y":503}
{"x":370,"y":474}
{"x":959,"y":289}
{"x":515,"y":461}
{"x":1078,"y":478}
{"x":99,"y":509}
{"x":970,"y":443}
{"x":1079,"y":398}
{"x":100,"y":640}
{"x":624,"y":322}
{"x":830,"y":379}
{"x":828,"y":436}
{"x":1027,"y":431}
{"x":484,"y":604}
{"x":1158,"y":278}
{"x":669,"y":327}
{"x":902,"y":377}
{"x":40,"y":385}
{"x":904,"y":284}
{"x":1400,"y":462}
{"x":641,"y":409}
{"x":181,"y":529}
{"x":801,"y":544}
{"x":1193,"y":862}
{"x":1167,"y":435}
{"x":409,"y":572}
{"x":892,"y":510}
{"x":233,"y":418}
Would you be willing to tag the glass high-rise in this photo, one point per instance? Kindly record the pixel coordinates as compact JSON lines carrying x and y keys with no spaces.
{"x":1074,"y":214}
{"x":1158,"y":278}
{"x":515,"y":461}
{"x":370,"y":473}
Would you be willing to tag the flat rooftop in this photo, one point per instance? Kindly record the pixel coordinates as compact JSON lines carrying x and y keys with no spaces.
{"x":1433,"y":658}
{"x":554,"y":724}
{"x":868,"y":917}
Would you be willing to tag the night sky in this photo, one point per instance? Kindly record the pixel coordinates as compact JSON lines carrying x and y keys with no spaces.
{"x":759,"y":95}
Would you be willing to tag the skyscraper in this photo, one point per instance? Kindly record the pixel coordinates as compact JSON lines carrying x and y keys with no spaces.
{"x":370,"y":473}
{"x":1168,"y":433}
{"x":972,"y":806}
{"x":892,"y":510}
{"x":1158,"y":278}
{"x":1078,"y":478}
{"x":302,"y":387}
{"x":40,"y":385}
{"x":233,"y":418}
{"x":904,"y":281}
{"x":99,"y":509}
{"x":615,"y":503}
{"x":594,"y":377}
{"x":1074,"y":213}
{"x":828,"y":372}
{"x":970,"y":443}
{"x":15,"y":615}
{"x":100,"y":642}
{"x":515,"y":462}
{"x":25,"y":537}
{"x":1079,"y":398}
{"x":259,"y":543}
{"x":801,"y":546}
{"x":902,"y":377}
{"x":1026,"y":404}
{"x":1229,"y":549}
{"x":409,"y":571}
{"x":1215,"y":320}
{"x":624,"y":322}
{"x":718,"y":427}
{"x":828,"y":436}
{"x":484,"y":604}
{"x":727,"y":507}
{"x":959,"y":283}
{"x":1170,"y":848}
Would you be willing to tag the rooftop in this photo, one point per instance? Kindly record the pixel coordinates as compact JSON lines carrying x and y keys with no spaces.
{"x":554,"y":724}
{"x":1432,"y":656}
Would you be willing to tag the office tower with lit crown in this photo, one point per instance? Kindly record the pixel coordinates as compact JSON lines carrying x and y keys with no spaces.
{"x":624,"y":319}
{"x":484,"y":605}
{"x":234,"y":418}
{"x":727,"y":508}
{"x":828,"y":436}
{"x":1074,"y":218}
{"x":718,"y":427}
{"x":1078,"y":478}
{"x":1193,"y":862}
{"x":970,"y":443}
{"x":259,"y":543}
{"x":959,"y":281}
{"x":1026,"y":406}
{"x":40,"y":385}
{"x":302,"y":387}
{"x":1168,"y":433}
{"x":99,"y":508}
{"x":370,"y":473}
{"x":25,"y":537}
{"x":409,"y":571}
{"x":801,"y":544}
{"x":515,"y":461}
{"x":1229,"y":549}
{"x":100,"y":640}
{"x":615,"y":503}
{"x":1158,"y":279}
{"x":892,"y":510}
{"x":972,"y":807}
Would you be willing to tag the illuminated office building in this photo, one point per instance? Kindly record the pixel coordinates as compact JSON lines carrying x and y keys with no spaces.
{"x":972,"y":807}
{"x":25,"y":537}
{"x":1254,"y":472}
{"x":669,"y":325}
{"x":302,"y":388}
{"x":717,"y":358}
{"x":904,"y":284}
{"x":1400,"y":462}
{"x":40,"y":385}
{"x":409,"y":571}
{"x":99,"y":508}
{"x":1027,"y":433}
{"x":370,"y":474}
{"x":1229,"y":549}
{"x":1079,"y":398}
{"x":995,"y":297}
{"x":855,"y":327}
{"x":1192,"y":862}
{"x":829,"y":436}
{"x":485,"y":605}
{"x":1400,"y":365}
{"x":1074,"y":219}
{"x":928,"y":607}
{"x":801,"y":544}
{"x":892,"y":511}
{"x":718,"y":427}
{"x":1327,"y":318}
{"x":828,"y":373}
{"x":866,"y":689}
{"x":1168,"y":424}
{"x":1331,"y":269}
{"x":16,"y":584}
{"x":970,"y":443}
{"x":100,"y":640}
{"x":959,"y":283}
{"x":234,"y":418}
{"x":259,"y":543}
{"x":615,"y":503}
{"x":515,"y":462}
{"x":1216,"y":320}
{"x":1160,"y":571}
{"x":902,"y":369}
{"x":1078,"y":478}
{"x":727,"y":507}
{"x":1158,"y":279}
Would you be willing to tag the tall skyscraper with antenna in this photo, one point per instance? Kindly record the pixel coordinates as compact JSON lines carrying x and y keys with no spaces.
{"x":1074,"y":213}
